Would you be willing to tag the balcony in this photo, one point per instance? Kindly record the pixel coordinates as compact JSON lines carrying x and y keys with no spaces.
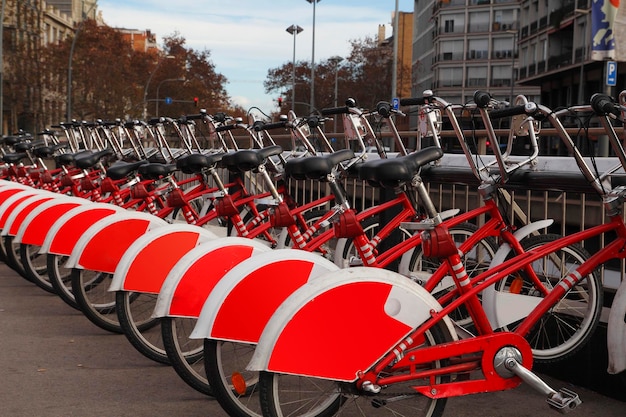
{"x":500,"y":82}
{"x":450,"y":56}
{"x":477,"y":54}
{"x":559,"y":61}
{"x":502,"y":54}
{"x":504,"y":26}
{"x":477,"y":82}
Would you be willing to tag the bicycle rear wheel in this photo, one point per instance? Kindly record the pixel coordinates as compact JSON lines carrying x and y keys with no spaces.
{"x":134,"y":312}
{"x":13,"y":256}
{"x":186,"y":355}
{"x":61,"y":278}
{"x":235,"y":388}
{"x":288,"y":395}
{"x":35,"y":267}
{"x":570,"y":323}
{"x":91,"y":292}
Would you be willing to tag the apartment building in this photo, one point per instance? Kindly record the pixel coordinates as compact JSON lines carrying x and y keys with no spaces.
{"x":461,"y":46}
{"x":555,"y":51}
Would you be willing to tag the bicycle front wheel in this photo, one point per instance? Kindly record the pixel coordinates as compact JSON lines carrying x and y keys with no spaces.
{"x":288,"y":395}
{"x":570,"y":323}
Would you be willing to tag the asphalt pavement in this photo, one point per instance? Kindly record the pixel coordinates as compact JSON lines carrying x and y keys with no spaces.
{"x":56,"y":363}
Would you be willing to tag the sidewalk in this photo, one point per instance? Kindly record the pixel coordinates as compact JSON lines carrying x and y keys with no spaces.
{"x":56,"y":363}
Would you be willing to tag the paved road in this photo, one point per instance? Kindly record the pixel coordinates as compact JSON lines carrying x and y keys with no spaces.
{"x":55,"y":363}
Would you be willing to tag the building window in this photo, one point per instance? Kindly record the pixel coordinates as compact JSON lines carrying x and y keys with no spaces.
{"x":448,"y":26}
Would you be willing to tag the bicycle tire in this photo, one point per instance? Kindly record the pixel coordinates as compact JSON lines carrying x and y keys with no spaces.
{"x":567,"y":327}
{"x":186,"y":355}
{"x":13,"y":256}
{"x":3,"y":252}
{"x":279,"y":396}
{"x":225,"y":364}
{"x":61,"y":278}
{"x":36,"y":267}
{"x":90,"y":289}
{"x":134,"y":312}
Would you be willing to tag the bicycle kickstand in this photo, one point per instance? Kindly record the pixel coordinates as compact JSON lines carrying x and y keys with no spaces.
{"x":562,"y":401}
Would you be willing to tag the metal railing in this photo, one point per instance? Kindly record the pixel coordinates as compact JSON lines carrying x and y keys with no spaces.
{"x":553,"y":189}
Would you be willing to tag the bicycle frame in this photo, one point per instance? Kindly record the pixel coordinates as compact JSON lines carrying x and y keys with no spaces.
{"x":469,"y":291}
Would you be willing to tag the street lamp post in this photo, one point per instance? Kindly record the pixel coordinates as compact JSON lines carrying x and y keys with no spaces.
{"x":1,"y":68}
{"x":157,"y":92}
{"x":293,"y":30}
{"x":145,"y":90}
{"x":583,"y":56}
{"x":513,"y":51}
{"x":69,"y":66}
{"x":394,"y":74}
{"x":335,"y":60}
{"x":313,"y":58}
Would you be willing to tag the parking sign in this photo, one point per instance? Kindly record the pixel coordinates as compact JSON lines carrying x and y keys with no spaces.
{"x":611,"y":73}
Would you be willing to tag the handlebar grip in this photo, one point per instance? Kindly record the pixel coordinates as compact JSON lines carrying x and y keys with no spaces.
{"x":383,"y":108}
{"x":528,"y":108}
{"x":269,"y":126}
{"x":335,"y":110}
{"x":482,"y":98}
{"x":413,"y":101}
{"x":220,"y":117}
{"x":195,"y":116}
{"x":313,"y":121}
{"x":224,"y":128}
{"x":604,"y":104}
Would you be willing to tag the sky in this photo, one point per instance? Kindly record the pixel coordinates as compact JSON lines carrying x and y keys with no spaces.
{"x":246,"y":38}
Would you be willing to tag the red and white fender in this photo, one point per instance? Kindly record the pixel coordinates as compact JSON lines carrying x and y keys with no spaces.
{"x":38,"y":222}
{"x":63,"y":235}
{"x":342,"y":323}
{"x":103,"y":244}
{"x":244,"y":300}
{"x":20,"y":208}
{"x":192,"y":279}
{"x":148,"y":260}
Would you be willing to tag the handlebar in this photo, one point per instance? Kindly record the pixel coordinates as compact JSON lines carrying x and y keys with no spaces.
{"x":258,"y":126}
{"x":335,"y":110}
{"x":603,"y":104}
{"x":529,"y":109}
{"x":414,"y":101}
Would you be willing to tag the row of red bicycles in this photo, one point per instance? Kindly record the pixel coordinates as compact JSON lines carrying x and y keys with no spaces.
{"x":282,"y":302}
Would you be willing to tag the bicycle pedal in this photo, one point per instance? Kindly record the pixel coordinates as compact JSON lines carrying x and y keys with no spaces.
{"x":564,"y":401}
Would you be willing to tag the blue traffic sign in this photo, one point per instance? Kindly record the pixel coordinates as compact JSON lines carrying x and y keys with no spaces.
{"x":611,"y":73}
{"x":395,"y":102}
{"x":168,"y":100}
